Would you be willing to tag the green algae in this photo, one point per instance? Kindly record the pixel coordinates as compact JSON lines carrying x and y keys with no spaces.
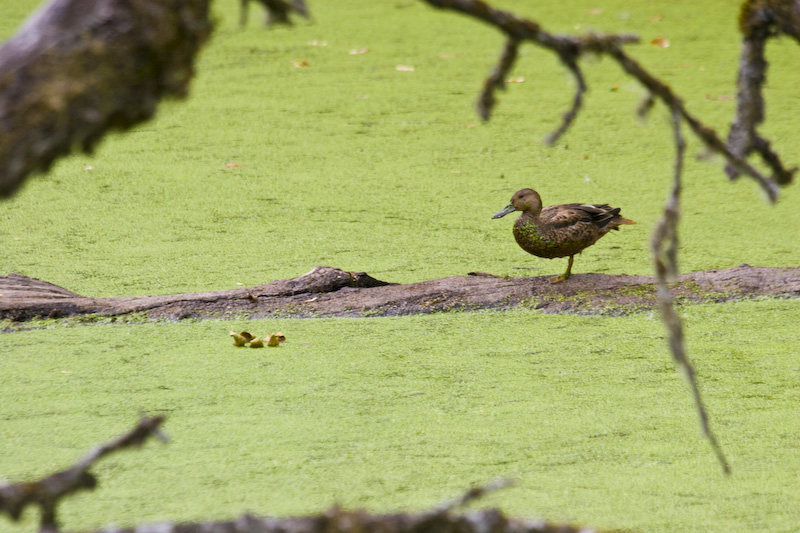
{"x":269,"y":169}
{"x":586,"y":413}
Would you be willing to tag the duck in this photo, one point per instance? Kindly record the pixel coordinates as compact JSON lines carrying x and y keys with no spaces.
{"x":559,"y":230}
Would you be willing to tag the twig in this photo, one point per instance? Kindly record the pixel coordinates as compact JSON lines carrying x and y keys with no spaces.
{"x":708,"y":136}
{"x":497,"y":79}
{"x":475,"y":493}
{"x":664,"y":247}
{"x":571,"y":62}
{"x":48,"y":492}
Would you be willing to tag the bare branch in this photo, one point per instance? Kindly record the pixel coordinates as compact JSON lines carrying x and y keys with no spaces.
{"x":759,"y":20}
{"x":48,"y":492}
{"x":645,"y":106}
{"x":497,"y":79}
{"x":438,"y":520}
{"x":664,"y":247}
{"x":475,"y":494}
{"x":707,"y":135}
{"x":580,"y":89}
{"x":665,"y":235}
{"x":569,"y":49}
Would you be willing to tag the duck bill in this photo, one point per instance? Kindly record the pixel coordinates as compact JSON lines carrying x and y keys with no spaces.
{"x":506,"y":210}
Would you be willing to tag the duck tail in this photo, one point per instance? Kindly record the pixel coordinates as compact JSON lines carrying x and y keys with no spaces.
{"x":619,"y":220}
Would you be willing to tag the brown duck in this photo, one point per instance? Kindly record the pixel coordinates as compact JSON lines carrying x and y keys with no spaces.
{"x":560,"y":230}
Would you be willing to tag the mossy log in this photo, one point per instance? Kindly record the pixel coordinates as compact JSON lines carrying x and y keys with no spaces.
{"x":327,"y":291}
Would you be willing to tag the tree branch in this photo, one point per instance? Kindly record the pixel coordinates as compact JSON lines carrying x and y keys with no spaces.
{"x":48,"y":492}
{"x":79,"y":68}
{"x":664,"y":247}
{"x":569,"y":49}
{"x":759,"y":20}
{"x":437,"y":520}
{"x":497,"y":79}
{"x":571,"y":62}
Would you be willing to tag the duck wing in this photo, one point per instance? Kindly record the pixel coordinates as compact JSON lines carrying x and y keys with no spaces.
{"x":565,"y":215}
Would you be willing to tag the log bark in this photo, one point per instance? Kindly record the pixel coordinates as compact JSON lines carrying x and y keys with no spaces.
{"x":327,"y":291}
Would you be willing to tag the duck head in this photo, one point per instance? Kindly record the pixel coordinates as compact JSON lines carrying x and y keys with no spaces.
{"x":525,"y":200}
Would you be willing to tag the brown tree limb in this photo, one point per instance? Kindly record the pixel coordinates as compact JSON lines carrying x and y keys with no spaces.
{"x":707,"y":135}
{"x":77,"y":69}
{"x":342,"y":521}
{"x":758,"y":21}
{"x":571,"y":62}
{"x":48,"y":492}
{"x":570,"y":48}
{"x":497,"y":79}
{"x":664,"y":247}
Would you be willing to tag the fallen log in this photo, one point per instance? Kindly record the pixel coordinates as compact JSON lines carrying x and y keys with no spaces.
{"x":327,"y":291}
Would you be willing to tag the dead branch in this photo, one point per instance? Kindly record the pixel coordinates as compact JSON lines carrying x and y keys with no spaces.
{"x":48,"y":492}
{"x":497,"y":79}
{"x":438,"y":520}
{"x":664,"y":247}
{"x":759,"y":20}
{"x":77,"y":69}
{"x":571,"y":62}
{"x":569,"y":49}
{"x":342,"y":521}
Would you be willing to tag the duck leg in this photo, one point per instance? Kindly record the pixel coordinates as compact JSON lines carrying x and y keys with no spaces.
{"x":566,"y":274}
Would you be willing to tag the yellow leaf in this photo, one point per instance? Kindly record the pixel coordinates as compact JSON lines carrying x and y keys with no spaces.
{"x":238,"y":339}
{"x":256,"y":343}
{"x":273,"y":341}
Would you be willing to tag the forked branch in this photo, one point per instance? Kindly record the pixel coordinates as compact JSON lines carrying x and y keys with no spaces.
{"x":570,"y":48}
{"x":758,"y":21}
{"x":47,"y":493}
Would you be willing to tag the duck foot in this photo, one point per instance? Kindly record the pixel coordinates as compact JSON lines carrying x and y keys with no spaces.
{"x":567,"y":274}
